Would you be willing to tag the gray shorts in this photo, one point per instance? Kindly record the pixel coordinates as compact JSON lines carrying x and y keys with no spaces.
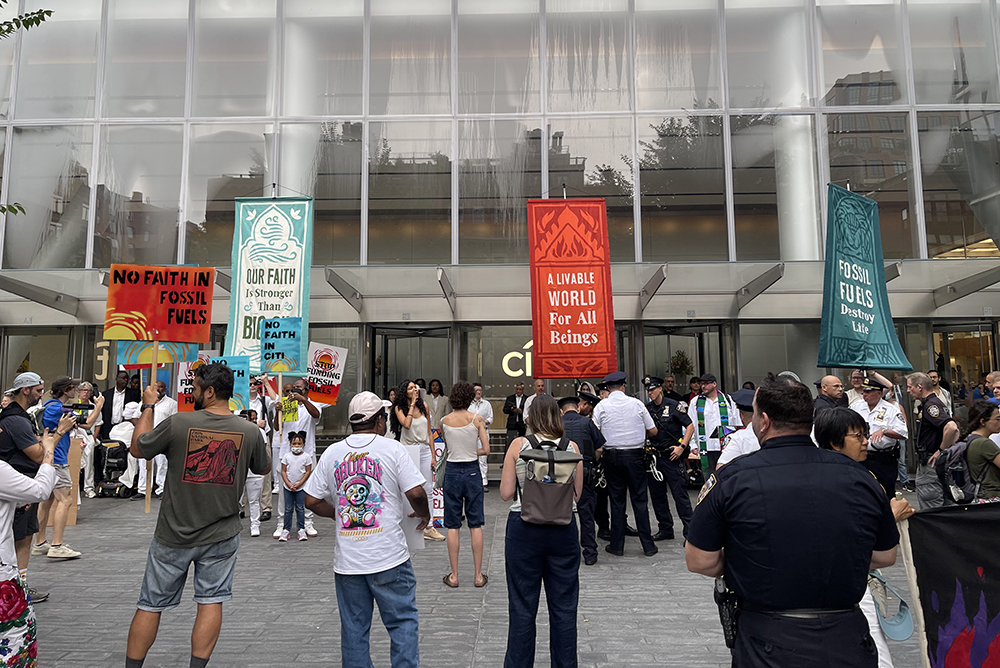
{"x":63,"y":478}
{"x":167,"y":568}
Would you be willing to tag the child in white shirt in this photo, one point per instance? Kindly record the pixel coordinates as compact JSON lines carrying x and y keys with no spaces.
{"x":295,"y":469}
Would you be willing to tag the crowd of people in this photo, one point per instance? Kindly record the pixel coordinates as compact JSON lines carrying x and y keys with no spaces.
{"x":571,"y":467}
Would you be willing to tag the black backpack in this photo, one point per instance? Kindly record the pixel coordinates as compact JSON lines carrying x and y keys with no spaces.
{"x":956,"y":476}
{"x":549,"y":468}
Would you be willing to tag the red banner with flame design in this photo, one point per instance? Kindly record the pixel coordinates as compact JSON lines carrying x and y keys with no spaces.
{"x":572,"y":315}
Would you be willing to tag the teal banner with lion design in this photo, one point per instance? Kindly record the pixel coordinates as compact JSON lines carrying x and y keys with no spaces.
{"x":272,"y":255}
{"x":857,"y":330}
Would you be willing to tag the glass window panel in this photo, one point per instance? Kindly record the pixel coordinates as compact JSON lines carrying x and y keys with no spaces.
{"x":324,"y":160}
{"x":954,"y":52}
{"x":226,"y":161}
{"x":767,"y":47}
{"x":677,"y":62}
{"x":145,"y":58}
{"x":234,"y":54}
{"x":961,"y":177}
{"x":587,"y":43}
{"x":138,"y":194}
{"x":500,"y":167}
{"x":409,"y":193}
{"x":322,"y":57}
{"x":683,"y":189}
{"x":58,"y":62}
{"x":6,"y":70}
{"x":862,"y":55}
{"x":498,"y":64}
{"x":410,"y":57}
{"x":334,"y":424}
{"x":592,"y":157}
{"x":49,"y":176}
{"x":498,"y":356}
{"x":774,"y":187}
{"x":44,"y":350}
{"x":874,"y":172}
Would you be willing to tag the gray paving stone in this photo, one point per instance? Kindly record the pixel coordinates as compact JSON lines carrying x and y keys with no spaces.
{"x":634,"y":611}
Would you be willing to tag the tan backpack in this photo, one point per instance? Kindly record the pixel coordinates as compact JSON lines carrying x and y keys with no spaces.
{"x":549,"y":468}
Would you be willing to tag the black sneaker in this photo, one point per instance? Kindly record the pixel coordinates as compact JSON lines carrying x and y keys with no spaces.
{"x":265,"y":516}
{"x":36,"y":596}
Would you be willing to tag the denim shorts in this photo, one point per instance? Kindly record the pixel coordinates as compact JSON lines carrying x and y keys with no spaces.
{"x":167,"y":568}
{"x":463,"y":486}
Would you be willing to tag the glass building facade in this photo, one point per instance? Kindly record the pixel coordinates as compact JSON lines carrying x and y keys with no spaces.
{"x":710,"y":127}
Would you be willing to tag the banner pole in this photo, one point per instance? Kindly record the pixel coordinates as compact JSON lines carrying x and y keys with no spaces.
{"x":281,"y":400}
{"x":149,"y":462}
{"x":911,"y":580}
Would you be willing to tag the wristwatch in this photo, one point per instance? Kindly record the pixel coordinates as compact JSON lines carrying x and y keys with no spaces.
{"x":145,"y":406}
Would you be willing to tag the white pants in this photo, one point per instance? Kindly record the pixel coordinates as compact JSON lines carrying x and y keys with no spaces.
{"x":128,"y":477}
{"x":425,"y":463}
{"x":276,"y":470}
{"x":159,"y":474}
{"x":484,"y":469}
{"x":254,"y":485}
{"x":871,"y":614}
{"x":87,"y":463}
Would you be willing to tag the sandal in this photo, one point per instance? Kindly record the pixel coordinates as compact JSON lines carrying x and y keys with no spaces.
{"x":447,"y":581}
{"x":485,"y":581}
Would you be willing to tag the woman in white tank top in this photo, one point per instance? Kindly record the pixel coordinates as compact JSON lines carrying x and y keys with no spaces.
{"x":466,"y":438}
{"x":409,"y":420}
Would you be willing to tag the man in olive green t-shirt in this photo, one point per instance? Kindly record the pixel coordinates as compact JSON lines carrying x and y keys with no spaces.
{"x":208,"y":454}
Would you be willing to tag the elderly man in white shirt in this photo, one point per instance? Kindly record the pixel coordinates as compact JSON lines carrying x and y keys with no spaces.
{"x":480,"y":406}
{"x":886,"y":428}
{"x":162,"y":409}
{"x":625,"y":422}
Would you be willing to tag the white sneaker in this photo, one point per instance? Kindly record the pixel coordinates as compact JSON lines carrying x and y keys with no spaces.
{"x":311,"y":530}
{"x":254,"y":532}
{"x":277,"y":532}
{"x":63,"y":551}
{"x":91,"y":494}
{"x":302,"y":535}
{"x":283,"y":538}
{"x":40,"y":549}
{"x":274,"y":490}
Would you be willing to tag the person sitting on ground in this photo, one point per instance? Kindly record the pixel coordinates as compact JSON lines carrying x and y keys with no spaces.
{"x":466,"y":439}
{"x":296,"y":466}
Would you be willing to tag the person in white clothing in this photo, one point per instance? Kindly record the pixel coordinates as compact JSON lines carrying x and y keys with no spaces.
{"x":296,"y":466}
{"x":93,"y":420}
{"x":484,"y":409}
{"x":711,"y":413}
{"x":255,"y":482}
{"x":122,"y":432}
{"x":309,"y":417}
{"x":162,"y":409}
{"x":539,"y":387}
{"x":886,"y":427}
{"x":368,"y":485}
{"x":744,"y":441}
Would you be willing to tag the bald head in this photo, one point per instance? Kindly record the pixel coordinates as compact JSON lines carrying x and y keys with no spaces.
{"x":831,"y":387}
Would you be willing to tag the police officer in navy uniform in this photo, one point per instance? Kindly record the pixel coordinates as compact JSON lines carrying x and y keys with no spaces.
{"x":671,"y":458}
{"x":795,"y":529}
{"x":582,"y":431}
{"x":625,"y":423}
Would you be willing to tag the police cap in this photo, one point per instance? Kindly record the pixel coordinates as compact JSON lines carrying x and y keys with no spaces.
{"x":615,"y":378}
{"x":651,"y":382}
{"x":592,"y":399}
{"x":743,"y":400}
{"x":870,"y":383}
{"x":568,"y":401}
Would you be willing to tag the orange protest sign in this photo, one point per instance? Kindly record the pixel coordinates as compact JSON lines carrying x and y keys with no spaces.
{"x":572,"y":317}
{"x":168,"y":303}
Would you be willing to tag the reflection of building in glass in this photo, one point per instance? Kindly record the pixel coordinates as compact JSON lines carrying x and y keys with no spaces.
{"x":865,"y":88}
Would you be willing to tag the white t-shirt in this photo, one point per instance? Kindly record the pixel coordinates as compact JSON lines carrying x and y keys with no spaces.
{"x":296,"y":466}
{"x":742,"y":442}
{"x":366,"y":477}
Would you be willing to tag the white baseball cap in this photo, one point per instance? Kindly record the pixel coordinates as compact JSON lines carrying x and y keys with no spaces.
{"x":26,"y":379}
{"x":363,"y":407}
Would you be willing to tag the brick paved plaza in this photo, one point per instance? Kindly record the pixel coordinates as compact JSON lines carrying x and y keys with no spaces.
{"x":634,"y":611}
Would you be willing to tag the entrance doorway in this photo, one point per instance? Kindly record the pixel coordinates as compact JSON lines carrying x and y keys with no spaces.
{"x":962,"y":353}
{"x":417,"y":352}
{"x":683,"y":352}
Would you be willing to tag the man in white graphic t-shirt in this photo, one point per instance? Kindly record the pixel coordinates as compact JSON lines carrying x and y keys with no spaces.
{"x":367,"y":484}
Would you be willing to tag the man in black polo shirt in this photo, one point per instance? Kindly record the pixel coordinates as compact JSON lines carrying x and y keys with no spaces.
{"x":936,"y":431}
{"x":582,"y":431}
{"x":671,"y":458}
{"x":798,"y":569}
{"x":830,"y":392}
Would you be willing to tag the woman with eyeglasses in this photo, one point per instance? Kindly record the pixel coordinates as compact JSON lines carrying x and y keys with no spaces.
{"x":845,"y":431}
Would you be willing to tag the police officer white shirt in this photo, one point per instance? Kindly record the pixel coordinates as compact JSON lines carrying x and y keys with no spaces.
{"x":712,"y":420}
{"x":623,"y":420}
{"x":885,"y":416}
{"x":742,"y":442}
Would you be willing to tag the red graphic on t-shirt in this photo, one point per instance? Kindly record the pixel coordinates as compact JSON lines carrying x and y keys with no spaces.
{"x":212,"y":457}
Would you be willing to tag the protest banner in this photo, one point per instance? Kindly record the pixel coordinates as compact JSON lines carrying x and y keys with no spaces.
{"x":572,"y":315}
{"x":167,"y":303}
{"x":955,"y":559}
{"x":136,"y":354}
{"x":856,"y":331}
{"x":185,"y":384}
{"x":281,"y":345}
{"x":272,"y":255}
{"x":240,"y":364}
{"x":324,"y":372}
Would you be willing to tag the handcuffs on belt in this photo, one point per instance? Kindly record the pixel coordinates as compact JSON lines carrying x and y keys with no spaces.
{"x":650,"y":457}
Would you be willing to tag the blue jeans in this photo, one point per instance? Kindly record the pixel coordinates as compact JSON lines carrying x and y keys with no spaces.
{"x":463,"y":488}
{"x":538,"y":554}
{"x":395,"y":591}
{"x":295,"y":500}
{"x":904,"y":476}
